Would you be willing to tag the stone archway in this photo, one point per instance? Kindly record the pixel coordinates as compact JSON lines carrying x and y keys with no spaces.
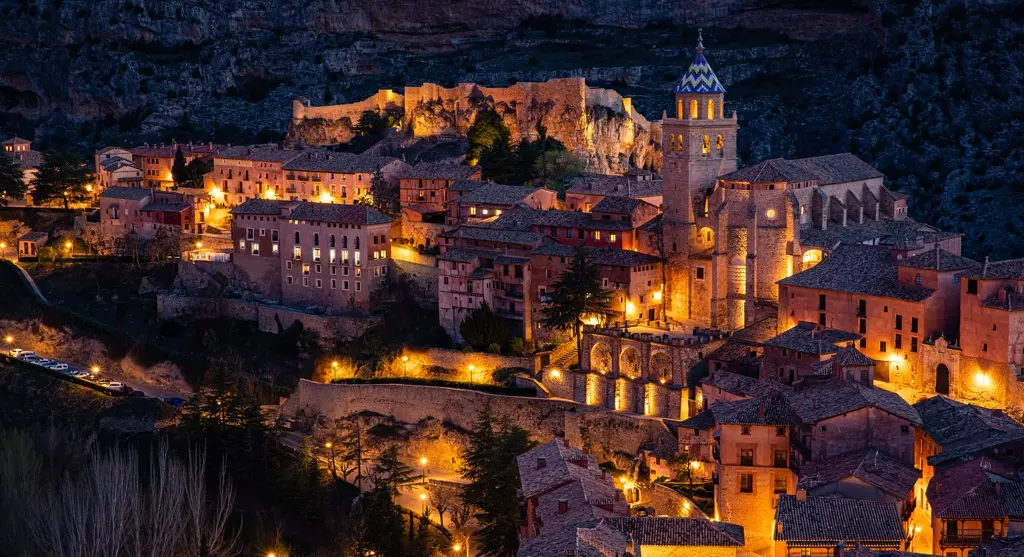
{"x":661,"y":368}
{"x":942,"y":379}
{"x":601,"y":358}
{"x":811,"y":258}
{"x":706,"y":236}
{"x":629,"y":363}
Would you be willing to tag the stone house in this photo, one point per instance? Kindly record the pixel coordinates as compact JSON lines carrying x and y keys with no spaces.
{"x":992,"y":311}
{"x":469,"y":278}
{"x":27,"y":160}
{"x":974,"y":503}
{"x":423,"y":187}
{"x":587,"y":191}
{"x":158,"y":161}
{"x":329,"y":256}
{"x":752,"y":464}
{"x":248,"y":172}
{"x":489,"y":199}
{"x":113,"y":172}
{"x":143,"y":211}
{"x":869,"y":475}
{"x":327,"y":177}
{"x":815,"y":526}
{"x":798,"y":354}
{"x":896,"y":306}
{"x":30,"y":242}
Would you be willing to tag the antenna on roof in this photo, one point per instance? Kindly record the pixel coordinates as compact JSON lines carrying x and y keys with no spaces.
{"x":700,"y":41}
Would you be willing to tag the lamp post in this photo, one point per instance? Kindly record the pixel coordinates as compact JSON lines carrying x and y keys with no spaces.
{"x":423,"y":463}
{"x":423,"y":497}
{"x":405,"y":366}
{"x":3,"y":246}
{"x":8,"y":339}
{"x":471,"y":374}
{"x":69,"y":245}
{"x":330,"y":447}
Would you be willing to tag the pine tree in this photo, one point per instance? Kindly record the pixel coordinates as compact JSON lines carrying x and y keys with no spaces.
{"x":179,"y":169}
{"x":490,"y":467}
{"x":482,"y":328}
{"x":12,"y":179}
{"x":488,"y":130}
{"x":390,"y":472}
{"x":577,"y":294}
{"x":63,"y":176}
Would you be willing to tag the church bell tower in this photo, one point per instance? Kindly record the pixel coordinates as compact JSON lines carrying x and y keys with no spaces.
{"x":699,"y":145}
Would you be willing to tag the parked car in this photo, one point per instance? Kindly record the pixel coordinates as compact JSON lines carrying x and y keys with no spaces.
{"x":103,"y":382}
{"x":27,"y":354}
{"x":115,"y":385}
{"x":136,"y":393}
{"x":15,"y":352}
{"x":175,"y":401}
{"x":57,"y":366}
{"x":42,"y":362}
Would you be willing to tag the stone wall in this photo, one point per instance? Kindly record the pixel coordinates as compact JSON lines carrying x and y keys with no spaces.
{"x":669,"y":502}
{"x":423,"y":277}
{"x":421,"y":233}
{"x":543,"y":418}
{"x":327,"y":327}
{"x":598,"y":124}
{"x":971,"y":380}
{"x":429,"y":363}
{"x":609,"y":433}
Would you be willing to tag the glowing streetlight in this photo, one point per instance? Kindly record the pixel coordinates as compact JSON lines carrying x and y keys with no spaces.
{"x":423,"y":497}
{"x":456,"y":547}
{"x":472,"y":368}
{"x":334,"y":364}
{"x":330,"y":447}
{"x":556,"y":374}
{"x":271,"y":554}
{"x":982,"y":380}
{"x":3,"y":246}
{"x":8,"y":339}
{"x":405,"y":366}
{"x":423,"y":464}
{"x":199,"y":245}
{"x":95,"y":370}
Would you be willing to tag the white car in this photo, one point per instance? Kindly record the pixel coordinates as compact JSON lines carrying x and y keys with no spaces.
{"x":57,"y":366}
{"x":42,"y":362}
{"x":15,"y":352}
{"x":115,"y":385}
{"x":26,"y":354}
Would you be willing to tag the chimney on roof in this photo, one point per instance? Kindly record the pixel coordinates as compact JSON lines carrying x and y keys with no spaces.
{"x":778,"y":527}
{"x":984,"y":268}
{"x":801,"y":495}
{"x":563,"y":506}
{"x":542,"y":462}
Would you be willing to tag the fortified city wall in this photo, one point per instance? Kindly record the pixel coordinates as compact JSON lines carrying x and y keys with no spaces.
{"x":598,"y":124}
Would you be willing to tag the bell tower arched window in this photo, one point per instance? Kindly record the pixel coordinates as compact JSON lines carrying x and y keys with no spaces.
{"x":711,"y":109}
{"x":693,"y":109}
{"x":705,"y":146}
{"x":720,"y":144}
{"x":679,"y":108}
{"x":671,"y":142}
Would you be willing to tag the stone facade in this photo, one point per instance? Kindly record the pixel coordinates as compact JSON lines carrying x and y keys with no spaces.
{"x":599,"y":124}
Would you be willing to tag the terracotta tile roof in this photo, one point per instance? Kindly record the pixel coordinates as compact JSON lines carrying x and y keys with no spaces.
{"x":771,"y":409}
{"x":703,"y":421}
{"x":261,"y":153}
{"x":742,"y":385}
{"x":511,"y":260}
{"x":344,"y":163}
{"x":15,"y":141}
{"x":1012,"y":546}
{"x":1010,"y":269}
{"x":562,"y":464}
{"x":115,"y":163}
{"x":28,"y":159}
{"x":441,"y":171}
{"x":466,"y":185}
{"x":615,"y":186}
{"x":946,"y":261}
{"x":168,"y":206}
{"x":886,"y":231}
{"x":520,"y":218}
{"x":951,"y":423}
{"x":653,"y":226}
{"x":969,"y":490}
{"x":125,"y":192}
{"x":812,"y":339}
{"x":828,"y":521}
{"x":859,"y":269}
{"x":262,"y":207}
{"x":871,"y":466}
{"x":838,"y":168}
{"x":768,"y":171}
{"x":332,"y":212}
{"x":618,"y":205}
{"x":465,"y":255}
{"x":514,"y":237}
{"x":498,"y":194}
{"x":828,"y":399}
{"x":34,"y":237}
{"x":850,"y":356}
{"x":759,"y":331}
{"x":606,"y":257}
{"x":737,"y":351}
{"x":600,"y":541}
{"x":865,"y":552}
{"x":169,"y":151}
{"x":687,"y":532}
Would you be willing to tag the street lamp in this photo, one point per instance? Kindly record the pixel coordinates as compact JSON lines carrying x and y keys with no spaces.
{"x":8,"y":339}
{"x":95,"y":370}
{"x":423,"y":463}
{"x":69,"y":246}
{"x":3,"y":246}
{"x":423,"y":497}
{"x":405,"y":366}
{"x":330,"y":447}
{"x":471,"y":369}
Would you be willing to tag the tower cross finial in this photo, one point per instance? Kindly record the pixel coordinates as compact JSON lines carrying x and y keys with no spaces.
{"x":700,"y":41}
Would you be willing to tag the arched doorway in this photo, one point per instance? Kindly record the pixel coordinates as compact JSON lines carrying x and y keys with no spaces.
{"x":661,"y":368}
{"x":942,"y":379}
{"x":629,"y":363}
{"x":601,"y":358}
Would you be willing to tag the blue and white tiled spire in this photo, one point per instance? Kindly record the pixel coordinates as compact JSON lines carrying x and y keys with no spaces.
{"x":699,"y":78}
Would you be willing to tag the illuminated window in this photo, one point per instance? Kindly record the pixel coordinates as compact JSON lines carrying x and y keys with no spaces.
{"x":693,"y":109}
{"x":611,"y":237}
{"x":770,"y":213}
{"x":711,"y":110}
{"x":746,"y":483}
{"x":486,"y":211}
{"x":679,"y":109}
{"x":597,"y":234}
{"x":672,"y":142}
{"x":720,"y":143}
{"x":705,"y":145}
{"x":472,"y":210}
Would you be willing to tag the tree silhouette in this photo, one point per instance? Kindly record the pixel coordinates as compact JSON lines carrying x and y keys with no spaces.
{"x":482,"y":328}
{"x":576,"y":295}
{"x":63,"y":176}
{"x":12,"y":179}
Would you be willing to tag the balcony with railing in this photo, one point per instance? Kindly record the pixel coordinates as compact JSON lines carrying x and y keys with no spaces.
{"x":967,"y":537}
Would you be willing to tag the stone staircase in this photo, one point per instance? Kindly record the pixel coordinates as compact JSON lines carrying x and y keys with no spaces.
{"x":564,"y":356}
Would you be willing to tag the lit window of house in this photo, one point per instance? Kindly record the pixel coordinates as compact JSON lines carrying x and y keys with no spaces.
{"x":297,"y":252}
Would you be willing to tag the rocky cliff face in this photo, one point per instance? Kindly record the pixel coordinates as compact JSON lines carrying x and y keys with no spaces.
{"x":928,"y":90}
